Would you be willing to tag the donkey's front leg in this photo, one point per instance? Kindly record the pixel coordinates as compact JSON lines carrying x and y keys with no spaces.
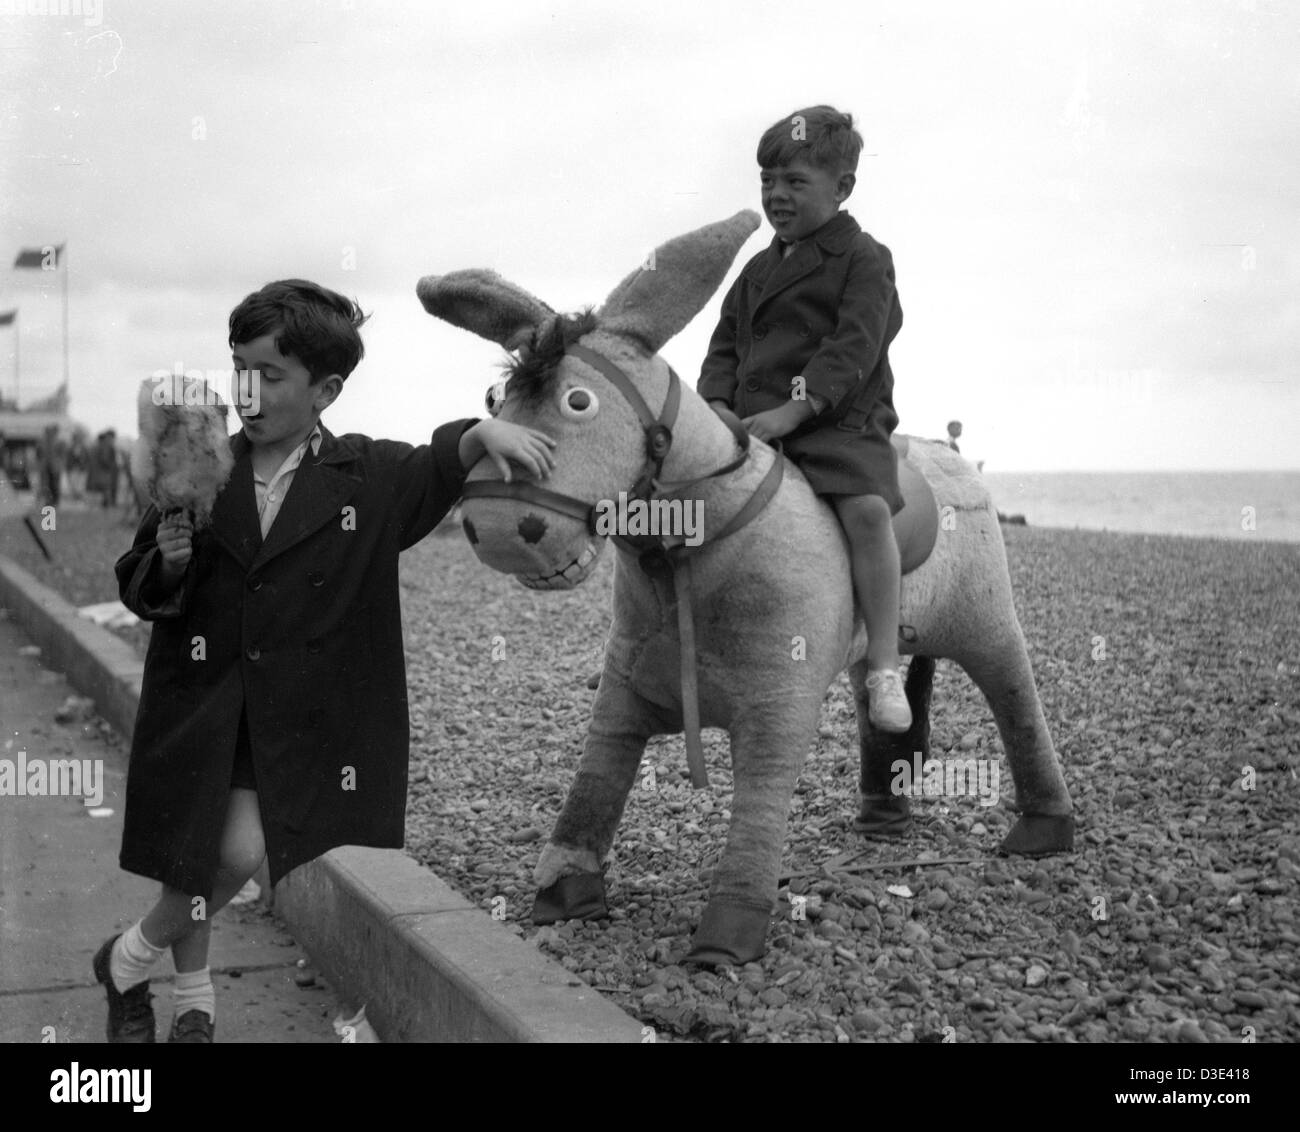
{"x":568,"y":873}
{"x":767,"y":751}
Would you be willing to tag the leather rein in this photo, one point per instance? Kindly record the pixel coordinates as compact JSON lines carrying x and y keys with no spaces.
{"x":657,"y":554}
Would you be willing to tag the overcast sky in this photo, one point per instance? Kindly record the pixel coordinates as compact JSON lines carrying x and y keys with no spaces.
{"x":1094,"y":209}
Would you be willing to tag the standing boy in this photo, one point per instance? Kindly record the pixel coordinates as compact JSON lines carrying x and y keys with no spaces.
{"x":801,"y":353}
{"x":273,"y":718}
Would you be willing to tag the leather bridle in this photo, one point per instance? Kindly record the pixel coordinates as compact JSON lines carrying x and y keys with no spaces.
{"x":658,"y":441}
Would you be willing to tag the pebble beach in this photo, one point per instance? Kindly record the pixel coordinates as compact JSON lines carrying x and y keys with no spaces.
{"x":1169,"y":670}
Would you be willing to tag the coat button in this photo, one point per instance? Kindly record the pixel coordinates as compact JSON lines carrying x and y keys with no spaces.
{"x":314,"y":717}
{"x":255,"y":584}
{"x":760,"y":331}
{"x":752,"y":384}
{"x":804,"y":330}
{"x":254,"y":653}
{"x":316,"y":578}
{"x":313,"y":646}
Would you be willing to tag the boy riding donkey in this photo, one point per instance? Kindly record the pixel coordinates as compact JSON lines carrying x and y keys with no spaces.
{"x":801,"y":354}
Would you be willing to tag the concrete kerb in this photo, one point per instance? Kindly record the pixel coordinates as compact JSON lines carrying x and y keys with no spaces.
{"x":427,"y":964}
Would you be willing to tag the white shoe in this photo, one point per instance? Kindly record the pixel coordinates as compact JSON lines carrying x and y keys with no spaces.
{"x":889,"y":710}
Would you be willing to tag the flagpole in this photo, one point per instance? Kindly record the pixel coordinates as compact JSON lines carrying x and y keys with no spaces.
{"x":17,"y":339}
{"x":63,"y":252}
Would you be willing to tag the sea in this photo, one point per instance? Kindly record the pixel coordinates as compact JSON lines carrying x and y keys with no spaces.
{"x":1240,"y":506}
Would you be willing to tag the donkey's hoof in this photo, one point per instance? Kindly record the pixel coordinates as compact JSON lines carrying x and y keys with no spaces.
{"x":1038,"y":835}
{"x":729,"y":933}
{"x":883,"y":815}
{"x":578,"y":896}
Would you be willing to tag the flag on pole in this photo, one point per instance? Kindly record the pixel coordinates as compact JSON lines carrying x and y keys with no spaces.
{"x":7,"y":317}
{"x":46,"y":258}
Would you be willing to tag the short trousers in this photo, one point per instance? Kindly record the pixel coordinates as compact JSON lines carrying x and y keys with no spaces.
{"x":840,"y":460}
{"x":243,"y":774}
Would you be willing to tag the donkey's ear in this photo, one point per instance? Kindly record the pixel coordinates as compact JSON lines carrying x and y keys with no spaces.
{"x":672,"y":286}
{"x":485,"y":303}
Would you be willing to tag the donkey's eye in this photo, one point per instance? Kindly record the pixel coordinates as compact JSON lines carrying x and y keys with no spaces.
{"x":578,"y":404}
{"x":494,"y":398}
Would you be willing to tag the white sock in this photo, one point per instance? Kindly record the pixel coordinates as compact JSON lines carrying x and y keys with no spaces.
{"x":132,"y":958}
{"x":194,"y":992}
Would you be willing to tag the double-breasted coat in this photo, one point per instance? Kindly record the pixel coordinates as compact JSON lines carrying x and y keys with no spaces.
{"x":826,"y":312}
{"x":304,"y":633}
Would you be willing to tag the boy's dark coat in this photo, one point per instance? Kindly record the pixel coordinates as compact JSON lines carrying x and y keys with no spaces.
{"x":827,"y":311}
{"x":303,"y":632}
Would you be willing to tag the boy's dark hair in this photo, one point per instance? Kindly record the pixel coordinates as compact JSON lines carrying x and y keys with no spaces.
{"x":820,"y":135}
{"x":317,"y":326}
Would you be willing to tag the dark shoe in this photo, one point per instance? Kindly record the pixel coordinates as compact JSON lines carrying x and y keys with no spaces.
{"x":130,"y":1017}
{"x":193,"y":1027}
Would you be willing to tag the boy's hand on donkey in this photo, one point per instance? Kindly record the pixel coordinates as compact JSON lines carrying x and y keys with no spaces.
{"x":501,"y":442}
{"x":175,"y":543}
{"x":775,"y":423}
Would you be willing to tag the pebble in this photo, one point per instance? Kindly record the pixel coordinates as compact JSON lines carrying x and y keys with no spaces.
{"x":867,"y":1021}
{"x":1135,"y":1029}
{"x":915,"y":932}
{"x":304,"y":977}
{"x":1249,"y":1000}
{"x":907,"y":985}
{"x":1158,"y":959}
{"x":1036,"y":976}
{"x":525,"y":835}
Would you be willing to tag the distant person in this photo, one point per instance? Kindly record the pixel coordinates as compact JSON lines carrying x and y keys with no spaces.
{"x":51,"y":455}
{"x":102,"y":478}
{"x":954,"y":431}
{"x":78,"y":466}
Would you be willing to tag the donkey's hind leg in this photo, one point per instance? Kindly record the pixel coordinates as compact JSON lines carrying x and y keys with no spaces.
{"x":882,"y":812}
{"x":1004,"y":675}
{"x":568,"y":873}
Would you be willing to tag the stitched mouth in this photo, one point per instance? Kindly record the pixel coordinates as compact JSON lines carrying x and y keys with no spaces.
{"x":566,"y":577}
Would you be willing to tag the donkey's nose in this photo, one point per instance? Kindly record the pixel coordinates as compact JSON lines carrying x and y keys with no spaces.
{"x":532,"y":529}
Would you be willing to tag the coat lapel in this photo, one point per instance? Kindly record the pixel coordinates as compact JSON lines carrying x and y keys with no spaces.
{"x":776,"y":274}
{"x":234,"y":514}
{"x":321,"y":486}
{"x":805,"y":259}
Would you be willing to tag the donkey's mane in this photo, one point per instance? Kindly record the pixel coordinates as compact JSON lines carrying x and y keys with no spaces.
{"x":532,"y":373}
